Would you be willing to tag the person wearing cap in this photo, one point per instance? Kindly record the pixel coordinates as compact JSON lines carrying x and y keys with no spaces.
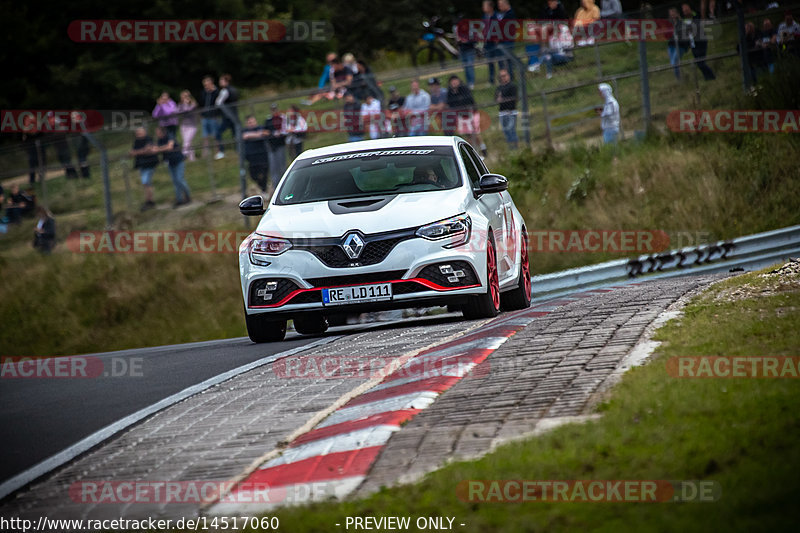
{"x":275,"y":127}
{"x":609,"y":114}
{"x":415,"y":109}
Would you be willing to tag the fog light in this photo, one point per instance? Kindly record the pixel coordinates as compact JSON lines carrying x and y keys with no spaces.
{"x":446,"y":269}
{"x":452,"y":279}
{"x":459,"y":273}
{"x":271,"y":285}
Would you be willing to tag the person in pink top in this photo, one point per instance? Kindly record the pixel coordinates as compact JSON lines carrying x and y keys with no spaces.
{"x":164,"y":111}
{"x":188,"y":123}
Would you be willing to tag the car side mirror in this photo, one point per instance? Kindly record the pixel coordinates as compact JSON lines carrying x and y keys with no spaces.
{"x":490,"y":183}
{"x":252,"y":206}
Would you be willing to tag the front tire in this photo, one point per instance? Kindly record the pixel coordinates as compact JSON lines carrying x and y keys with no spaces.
{"x":520,"y":297}
{"x":260,"y":328}
{"x":486,"y":305}
{"x":310,"y":324}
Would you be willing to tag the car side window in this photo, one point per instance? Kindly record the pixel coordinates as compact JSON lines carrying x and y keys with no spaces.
{"x":477,"y":160}
{"x":472,"y":171}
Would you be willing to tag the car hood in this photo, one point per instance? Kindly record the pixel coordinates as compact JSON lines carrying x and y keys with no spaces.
{"x":403,"y":211}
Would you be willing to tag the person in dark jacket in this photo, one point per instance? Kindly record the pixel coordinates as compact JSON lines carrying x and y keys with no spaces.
{"x":699,"y":42}
{"x":168,"y":147}
{"x":462,"y":104}
{"x":146,"y":160}
{"x":210,"y":114}
{"x":44,"y":235}
{"x":351,"y":117}
{"x":275,"y":126}
{"x":255,"y":151}
{"x":226,"y":101}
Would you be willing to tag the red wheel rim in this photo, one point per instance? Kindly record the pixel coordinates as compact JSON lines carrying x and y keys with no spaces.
{"x":526,"y":267}
{"x":494,"y":280}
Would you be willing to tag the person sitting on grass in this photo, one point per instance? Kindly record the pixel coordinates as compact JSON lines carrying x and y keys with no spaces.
{"x":146,"y":160}
{"x":44,"y":235}
{"x":559,"y":50}
{"x":340,"y":79}
{"x":255,"y":151}
{"x":19,"y":204}
{"x":171,"y":152}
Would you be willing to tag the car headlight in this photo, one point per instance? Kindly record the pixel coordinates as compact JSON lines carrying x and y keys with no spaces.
{"x":457,"y":228}
{"x":262,"y":247}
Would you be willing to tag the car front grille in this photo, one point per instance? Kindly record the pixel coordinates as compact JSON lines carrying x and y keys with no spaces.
{"x":376,"y":247}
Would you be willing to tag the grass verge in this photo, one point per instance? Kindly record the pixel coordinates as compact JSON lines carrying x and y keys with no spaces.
{"x":740,"y":433}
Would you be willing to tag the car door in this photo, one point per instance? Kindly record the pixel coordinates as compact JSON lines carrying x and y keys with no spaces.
{"x":491,"y":205}
{"x":507,"y":242}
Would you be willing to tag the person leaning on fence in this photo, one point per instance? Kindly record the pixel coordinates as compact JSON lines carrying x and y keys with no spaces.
{"x":226,"y":101}
{"x":468,"y":120}
{"x":58,"y":139}
{"x":209,"y":116}
{"x":789,"y":34}
{"x":372,"y":117}
{"x":81,"y":146}
{"x":44,"y":234}
{"x":767,"y":41}
{"x":173,"y":157}
{"x":188,"y":123}
{"x":698,"y":41}
{"x":755,"y":55}
{"x":275,"y":126}
{"x":146,"y":160}
{"x":466,"y":48}
{"x":255,"y":151}
{"x":609,"y":114}
{"x":296,"y":130}
{"x":506,"y":98}
{"x":506,"y":17}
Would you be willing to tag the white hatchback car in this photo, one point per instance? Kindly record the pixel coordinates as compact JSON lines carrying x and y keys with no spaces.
{"x":383,"y":224}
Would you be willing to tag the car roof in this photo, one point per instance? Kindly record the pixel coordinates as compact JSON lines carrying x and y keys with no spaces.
{"x":381,"y":144}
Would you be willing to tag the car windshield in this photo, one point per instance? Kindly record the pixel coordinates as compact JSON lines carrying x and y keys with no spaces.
{"x":369,"y":173}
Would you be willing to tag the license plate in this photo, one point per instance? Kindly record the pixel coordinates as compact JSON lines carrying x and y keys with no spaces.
{"x":357,"y":294}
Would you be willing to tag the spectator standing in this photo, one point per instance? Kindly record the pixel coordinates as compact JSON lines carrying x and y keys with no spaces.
{"x":506,"y":98}
{"x":80,"y":143}
{"x":466,"y":49}
{"x":767,"y":42}
{"x":255,"y":151}
{"x":461,"y":102}
{"x":146,"y":160}
{"x":351,"y":118}
{"x":755,"y":55}
{"x":296,"y":129}
{"x":371,"y":115}
{"x":677,"y":44}
{"x":698,"y":41}
{"x":275,"y":126}
{"x":226,"y":101}
{"x":416,"y":107}
{"x":209,"y":116}
{"x":165,"y":111}
{"x":58,"y":138}
{"x":609,"y":114}
{"x":29,"y":137}
{"x":505,"y":15}
{"x":188,"y":123}
{"x":44,"y":234}
{"x":789,"y":33}
{"x":587,"y":13}
{"x":173,"y":157}
{"x":395,"y":106}
{"x":489,"y":40}
{"x":438,"y":96}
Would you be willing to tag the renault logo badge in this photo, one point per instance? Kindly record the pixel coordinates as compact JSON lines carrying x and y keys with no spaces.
{"x":353,"y":245}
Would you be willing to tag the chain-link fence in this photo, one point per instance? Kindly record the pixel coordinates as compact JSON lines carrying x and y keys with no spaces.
{"x":556,"y":103}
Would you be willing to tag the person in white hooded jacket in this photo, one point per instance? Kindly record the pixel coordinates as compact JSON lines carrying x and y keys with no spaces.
{"x":609,"y":114}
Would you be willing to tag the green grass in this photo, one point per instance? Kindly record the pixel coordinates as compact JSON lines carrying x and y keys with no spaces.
{"x":739,"y":433}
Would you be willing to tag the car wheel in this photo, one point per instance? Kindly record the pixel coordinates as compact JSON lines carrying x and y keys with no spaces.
{"x":310,"y":324}
{"x":260,"y":328}
{"x":486,"y":305}
{"x":520,"y":297}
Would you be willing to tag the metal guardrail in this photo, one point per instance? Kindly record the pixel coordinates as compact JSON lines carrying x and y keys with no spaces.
{"x":750,"y":252}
